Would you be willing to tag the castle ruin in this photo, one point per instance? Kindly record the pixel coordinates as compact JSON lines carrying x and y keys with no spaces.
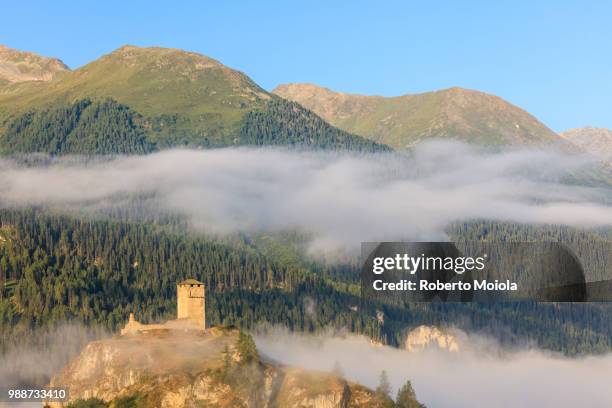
{"x":190,"y":308}
{"x":191,"y":303}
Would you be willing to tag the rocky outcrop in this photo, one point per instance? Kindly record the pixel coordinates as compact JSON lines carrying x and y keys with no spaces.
{"x":187,"y":368}
{"x":313,"y":390}
{"x":429,"y":336}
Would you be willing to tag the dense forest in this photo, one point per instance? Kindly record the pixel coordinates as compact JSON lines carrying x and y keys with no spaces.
{"x":55,"y":268}
{"x":287,"y":123}
{"x":591,"y":246}
{"x":91,"y":127}
{"x":84,"y":127}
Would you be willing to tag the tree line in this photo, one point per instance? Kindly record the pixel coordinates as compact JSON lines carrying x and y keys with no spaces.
{"x":107,"y":127}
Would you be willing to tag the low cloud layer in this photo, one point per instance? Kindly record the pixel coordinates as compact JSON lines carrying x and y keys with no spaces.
{"x":341,"y":199}
{"x":47,"y":353}
{"x":479,"y":375}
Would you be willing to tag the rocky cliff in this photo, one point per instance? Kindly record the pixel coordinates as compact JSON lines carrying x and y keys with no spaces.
{"x":429,"y":336}
{"x":194,"y":369}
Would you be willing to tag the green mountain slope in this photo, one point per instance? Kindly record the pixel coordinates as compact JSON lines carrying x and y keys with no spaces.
{"x":287,"y":123}
{"x":180,"y":98}
{"x":404,"y":120}
{"x":210,"y":97}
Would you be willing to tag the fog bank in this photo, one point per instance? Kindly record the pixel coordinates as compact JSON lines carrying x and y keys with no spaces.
{"x":47,"y":351}
{"x":479,"y":375}
{"x":340,"y":199}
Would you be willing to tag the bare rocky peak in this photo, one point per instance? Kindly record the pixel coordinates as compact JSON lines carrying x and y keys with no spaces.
{"x":21,"y":66}
{"x":597,"y":141}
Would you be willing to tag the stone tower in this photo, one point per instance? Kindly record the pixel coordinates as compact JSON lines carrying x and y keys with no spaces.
{"x":191,"y":303}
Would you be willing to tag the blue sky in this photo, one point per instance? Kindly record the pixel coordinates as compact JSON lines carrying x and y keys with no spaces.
{"x":553,"y":58}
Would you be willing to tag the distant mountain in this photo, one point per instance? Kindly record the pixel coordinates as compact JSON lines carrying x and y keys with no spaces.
{"x":597,"y":141}
{"x":176,"y":97}
{"x":402,"y":121}
{"x":20,"y":66}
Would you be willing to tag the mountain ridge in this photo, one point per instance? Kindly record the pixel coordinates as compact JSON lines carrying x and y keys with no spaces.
{"x":152,"y":80}
{"x":401,"y":121}
{"x":23,"y":66}
{"x":596,"y":141}
{"x":179,"y":98}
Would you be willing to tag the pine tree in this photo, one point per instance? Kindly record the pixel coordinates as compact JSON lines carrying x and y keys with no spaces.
{"x":247,"y":349}
{"x":384,"y":387}
{"x":383,"y":391}
{"x":406,"y":397}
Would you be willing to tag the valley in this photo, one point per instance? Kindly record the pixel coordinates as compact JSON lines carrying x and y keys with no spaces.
{"x":148,"y":166}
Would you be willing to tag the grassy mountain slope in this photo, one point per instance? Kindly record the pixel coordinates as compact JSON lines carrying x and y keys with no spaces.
{"x":20,"y":66}
{"x":180,"y":98}
{"x":402,"y":121}
{"x":210,"y":97}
